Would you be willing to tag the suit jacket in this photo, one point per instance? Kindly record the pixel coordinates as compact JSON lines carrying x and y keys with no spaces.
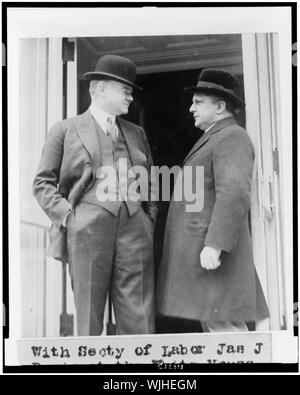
{"x":232,"y":292}
{"x":68,"y":168}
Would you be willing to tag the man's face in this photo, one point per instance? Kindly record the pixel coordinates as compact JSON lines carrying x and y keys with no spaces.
{"x":204,"y":110}
{"x":116,"y":97}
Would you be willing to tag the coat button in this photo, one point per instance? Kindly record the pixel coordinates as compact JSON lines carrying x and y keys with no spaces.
{"x":82,"y":186}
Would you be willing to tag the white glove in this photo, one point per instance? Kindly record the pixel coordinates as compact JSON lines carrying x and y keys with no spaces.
{"x":210,"y":258}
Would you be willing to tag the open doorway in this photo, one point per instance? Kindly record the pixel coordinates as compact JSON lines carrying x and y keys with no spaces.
{"x":162,"y":109}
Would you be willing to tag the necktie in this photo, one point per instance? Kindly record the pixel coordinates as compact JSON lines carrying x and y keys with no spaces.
{"x":111,"y":129}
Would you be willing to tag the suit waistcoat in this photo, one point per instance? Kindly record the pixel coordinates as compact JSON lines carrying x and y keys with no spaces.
{"x":111,"y":189}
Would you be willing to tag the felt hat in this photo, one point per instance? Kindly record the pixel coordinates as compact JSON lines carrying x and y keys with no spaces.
{"x":113,"y":67}
{"x":220,"y":83}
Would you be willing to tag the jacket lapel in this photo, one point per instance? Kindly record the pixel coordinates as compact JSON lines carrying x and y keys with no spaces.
{"x":131,"y":140}
{"x":87,"y":133}
{"x":205,"y":137}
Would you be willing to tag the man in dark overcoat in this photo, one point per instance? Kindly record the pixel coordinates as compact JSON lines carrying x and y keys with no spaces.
{"x":207,"y":271}
{"x":102,"y":225}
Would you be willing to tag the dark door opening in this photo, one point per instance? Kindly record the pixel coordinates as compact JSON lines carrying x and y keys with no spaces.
{"x":162,"y":109}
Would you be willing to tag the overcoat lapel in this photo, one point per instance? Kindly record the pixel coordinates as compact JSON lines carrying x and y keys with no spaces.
{"x":205,"y":137}
{"x":87,"y":133}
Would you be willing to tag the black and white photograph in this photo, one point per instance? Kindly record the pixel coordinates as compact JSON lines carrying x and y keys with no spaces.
{"x":150,"y":186}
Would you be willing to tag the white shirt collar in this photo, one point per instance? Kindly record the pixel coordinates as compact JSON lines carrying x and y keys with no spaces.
{"x":213,"y":124}
{"x":206,"y":130}
{"x":101,"y":116}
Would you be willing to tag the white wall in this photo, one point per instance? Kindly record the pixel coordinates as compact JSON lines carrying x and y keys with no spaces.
{"x":270,"y":216}
{"x":40,"y":88}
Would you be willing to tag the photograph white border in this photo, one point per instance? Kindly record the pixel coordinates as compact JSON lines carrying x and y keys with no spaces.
{"x":51,"y":22}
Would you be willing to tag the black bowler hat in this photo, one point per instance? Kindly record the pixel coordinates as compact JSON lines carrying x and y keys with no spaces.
{"x":220,"y":83}
{"x":115,"y":68}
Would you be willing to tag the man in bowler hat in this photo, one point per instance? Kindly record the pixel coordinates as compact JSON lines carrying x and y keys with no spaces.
{"x":104,"y":233}
{"x":207,"y":271}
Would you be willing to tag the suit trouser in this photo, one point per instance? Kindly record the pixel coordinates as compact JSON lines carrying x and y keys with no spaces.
{"x":111,"y":253}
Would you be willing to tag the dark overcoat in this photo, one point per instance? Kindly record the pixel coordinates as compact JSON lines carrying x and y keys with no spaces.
{"x":232,"y":292}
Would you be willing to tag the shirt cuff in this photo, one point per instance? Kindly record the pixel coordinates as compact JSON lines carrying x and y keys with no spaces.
{"x":64,"y":224}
